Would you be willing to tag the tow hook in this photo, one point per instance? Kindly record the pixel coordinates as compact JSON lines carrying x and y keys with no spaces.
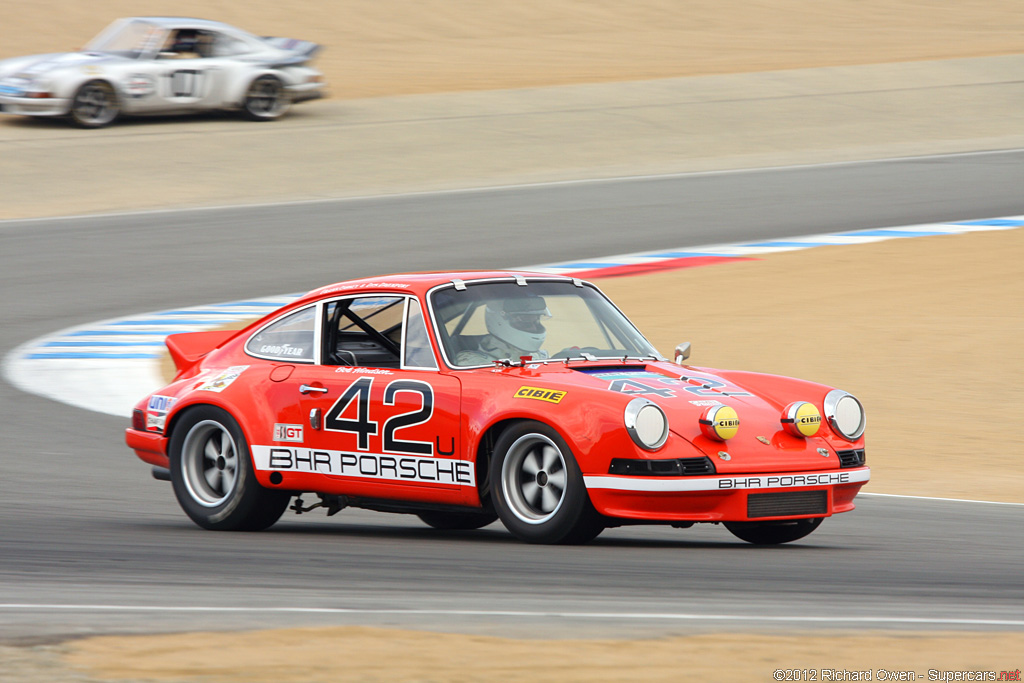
{"x":333,"y":504}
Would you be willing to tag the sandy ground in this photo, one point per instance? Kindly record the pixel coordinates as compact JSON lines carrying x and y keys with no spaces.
{"x":390,"y":47}
{"x":933,"y":349}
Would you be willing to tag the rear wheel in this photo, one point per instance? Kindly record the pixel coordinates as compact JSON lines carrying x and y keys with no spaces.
{"x":95,"y":105}
{"x":538,"y":489}
{"x":457,"y":521}
{"x":266,"y":99}
{"x":773,"y":533}
{"x":213,"y":477}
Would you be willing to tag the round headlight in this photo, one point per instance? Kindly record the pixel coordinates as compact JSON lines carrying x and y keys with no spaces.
{"x":845,"y":414}
{"x":646,"y":424}
{"x":801,"y":418}
{"x":719,"y":422}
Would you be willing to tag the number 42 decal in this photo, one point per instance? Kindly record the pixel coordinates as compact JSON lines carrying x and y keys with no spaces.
{"x":699,"y":386}
{"x":364,"y":427}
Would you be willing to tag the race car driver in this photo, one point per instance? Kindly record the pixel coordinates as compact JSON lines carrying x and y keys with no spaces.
{"x":514,"y":330}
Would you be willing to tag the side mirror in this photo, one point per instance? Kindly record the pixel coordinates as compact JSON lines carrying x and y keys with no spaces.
{"x":682,"y":352}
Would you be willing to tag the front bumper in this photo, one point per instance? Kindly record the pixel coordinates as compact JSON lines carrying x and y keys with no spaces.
{"x":34,"y":106}
{"x":306,"y":92}
{"x":732,"y":498}
{"x":149,"y":446}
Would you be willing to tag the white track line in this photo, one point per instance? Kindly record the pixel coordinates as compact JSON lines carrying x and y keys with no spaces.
{"x":519,"y":186}
{"x":597,"y":616}
{"x":944,"y":500}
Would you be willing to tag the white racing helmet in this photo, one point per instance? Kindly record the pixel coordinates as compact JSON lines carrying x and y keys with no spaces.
{"x":518,"y":321}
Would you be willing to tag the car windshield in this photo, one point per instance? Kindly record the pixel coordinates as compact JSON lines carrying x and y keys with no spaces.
{"x":479,"y":323}
{"x":127,"y":38}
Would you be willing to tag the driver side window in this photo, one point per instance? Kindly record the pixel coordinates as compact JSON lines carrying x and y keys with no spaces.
{"x":364,"y":331}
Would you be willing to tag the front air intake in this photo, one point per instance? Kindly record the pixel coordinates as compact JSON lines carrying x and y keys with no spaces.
{"x":787,"y":504}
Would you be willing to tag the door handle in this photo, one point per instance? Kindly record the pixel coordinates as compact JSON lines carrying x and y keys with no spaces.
{"x":306,"y":389}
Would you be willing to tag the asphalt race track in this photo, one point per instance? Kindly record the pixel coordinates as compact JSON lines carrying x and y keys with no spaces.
{"x":90,"y":543}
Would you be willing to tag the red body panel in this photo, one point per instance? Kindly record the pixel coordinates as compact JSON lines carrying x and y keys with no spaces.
{"x":421,"y":435}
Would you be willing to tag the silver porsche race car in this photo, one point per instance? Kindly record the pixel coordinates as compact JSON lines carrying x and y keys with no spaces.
{"x":163,"y":65}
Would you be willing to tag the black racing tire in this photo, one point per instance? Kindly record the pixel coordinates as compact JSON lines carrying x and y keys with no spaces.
{"x":213,"y":477}
{"x":773,"y":533}
{"x":457,"y":521}
{"x":537,"y":487}
{"x":266,"y":99}
{"x":95,"y":105}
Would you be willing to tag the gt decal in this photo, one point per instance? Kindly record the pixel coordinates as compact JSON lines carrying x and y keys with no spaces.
{"x":364,"y":465}
{"x":535,"y":393}
{"x":360,"y":423}
{"x":284,"y":432}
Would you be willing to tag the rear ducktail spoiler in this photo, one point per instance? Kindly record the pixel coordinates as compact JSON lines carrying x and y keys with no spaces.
{"x":300,"y":50}
{"x":188,"y":348}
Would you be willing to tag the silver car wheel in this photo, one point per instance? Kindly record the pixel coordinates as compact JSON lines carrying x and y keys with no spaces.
{"x":534,"y":478}
{"x":209,"y":460}
{"x":95,"y":105}
{"x":266,"y":99}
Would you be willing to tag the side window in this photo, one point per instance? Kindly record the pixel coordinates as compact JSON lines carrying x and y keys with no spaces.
{"x":222,"y":45}
{"x":290,"y":338}
{"x":364,"y":332}
{"x":418,"y":353}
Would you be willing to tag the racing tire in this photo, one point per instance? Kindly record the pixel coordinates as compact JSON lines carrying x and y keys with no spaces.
{"x":94,"y":105}
{"x":213,"y":477}
{"x":773,"y":533}
{"x":457,"y":521}
{"x":266,"y":99}
{"x":538,"y":489}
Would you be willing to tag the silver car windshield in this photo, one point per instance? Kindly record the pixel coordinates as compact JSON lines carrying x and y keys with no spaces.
{"x":479,"y":323}
{"x":128,"y":38}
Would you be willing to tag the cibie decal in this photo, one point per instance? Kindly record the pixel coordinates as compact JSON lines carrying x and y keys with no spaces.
{"x":364,"y":465}
{"x":224,"y":379}
{"x":288,"y":433}
{"x":549,"y":395}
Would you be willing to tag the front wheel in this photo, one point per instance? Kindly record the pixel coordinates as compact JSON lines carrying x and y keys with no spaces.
{"x":538,"y":489}
{"x":213,"y":477}
{"x":95,"y":105}
{"x":773,"y":533}
{"x":266,"y":99}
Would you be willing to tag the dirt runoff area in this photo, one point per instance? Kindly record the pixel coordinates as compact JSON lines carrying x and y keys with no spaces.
{"x":392,"y":47}
{"x":926,"y":331}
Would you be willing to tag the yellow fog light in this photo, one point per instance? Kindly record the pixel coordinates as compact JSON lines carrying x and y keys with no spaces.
{"x":801,"y":418}
{"x":719,"y":422}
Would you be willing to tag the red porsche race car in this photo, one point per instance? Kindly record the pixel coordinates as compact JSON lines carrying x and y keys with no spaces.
{"x":468,"y":397}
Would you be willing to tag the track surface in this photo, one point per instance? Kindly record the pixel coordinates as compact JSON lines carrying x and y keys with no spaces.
{"x":83,"y":524}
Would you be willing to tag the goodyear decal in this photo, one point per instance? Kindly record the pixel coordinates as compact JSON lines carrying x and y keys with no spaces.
{"x":549,"y":395}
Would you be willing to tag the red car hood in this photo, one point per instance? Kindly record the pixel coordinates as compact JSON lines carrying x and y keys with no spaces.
{"x":685,"y":393}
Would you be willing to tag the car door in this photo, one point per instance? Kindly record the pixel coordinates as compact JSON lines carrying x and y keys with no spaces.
{"x":373,"y":412}
{"x":188,"y":75}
